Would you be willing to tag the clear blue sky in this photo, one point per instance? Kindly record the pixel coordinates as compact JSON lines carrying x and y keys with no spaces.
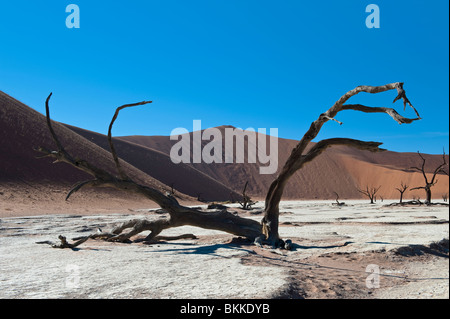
{"x":247,"y":63}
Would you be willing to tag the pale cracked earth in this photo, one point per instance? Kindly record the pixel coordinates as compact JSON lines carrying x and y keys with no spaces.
{"x":333,"y":246}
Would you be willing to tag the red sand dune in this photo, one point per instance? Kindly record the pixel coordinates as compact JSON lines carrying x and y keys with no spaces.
{"x":146,"y":158}
{"x":339,"y":169}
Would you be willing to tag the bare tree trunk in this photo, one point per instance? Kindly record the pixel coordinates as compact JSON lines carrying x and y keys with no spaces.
{"x":428,"y":192}
{"x":222,"y":220}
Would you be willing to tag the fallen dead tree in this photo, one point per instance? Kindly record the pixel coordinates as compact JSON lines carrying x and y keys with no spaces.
{"x":415,"y":202}
{"x":264,"y":232}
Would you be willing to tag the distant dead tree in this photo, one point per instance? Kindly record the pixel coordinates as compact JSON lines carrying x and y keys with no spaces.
{"x":264,"y":232}
{"x":370,"y":192}
{"x":246,"y":202}
{"x":200,"y":198}
{"x":402,"y":189}
{"x":337,"y":200}
{"x":445,"y":197}
{"x":430,"y":183}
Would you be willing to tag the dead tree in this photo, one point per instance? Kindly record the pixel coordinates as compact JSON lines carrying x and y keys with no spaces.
{"x":445,"y":197}
{"x":246,"y":202}
{"x":200,"y":198}
{"x":338,"y":203}
{"x":264,"y":232}
{"x":402,"y":189}
{"x":433,"y":181}
{"x":370,"y":192}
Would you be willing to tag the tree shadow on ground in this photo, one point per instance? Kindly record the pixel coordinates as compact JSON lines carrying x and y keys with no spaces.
{"x":297,"y":246}
{"x":439,"y":249}
{"x":204,"y":249}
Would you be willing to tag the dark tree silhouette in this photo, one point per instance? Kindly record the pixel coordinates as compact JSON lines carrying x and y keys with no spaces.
{"x":402,"y":189}
{"x":370,"y":192}
{"x":246,"y":202}
{"x":440,"y":169}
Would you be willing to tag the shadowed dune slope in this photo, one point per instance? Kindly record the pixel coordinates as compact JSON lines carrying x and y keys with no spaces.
{"x":184,"y":178}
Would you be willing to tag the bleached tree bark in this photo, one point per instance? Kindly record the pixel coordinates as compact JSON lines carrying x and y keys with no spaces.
{"x":264,"y":232}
